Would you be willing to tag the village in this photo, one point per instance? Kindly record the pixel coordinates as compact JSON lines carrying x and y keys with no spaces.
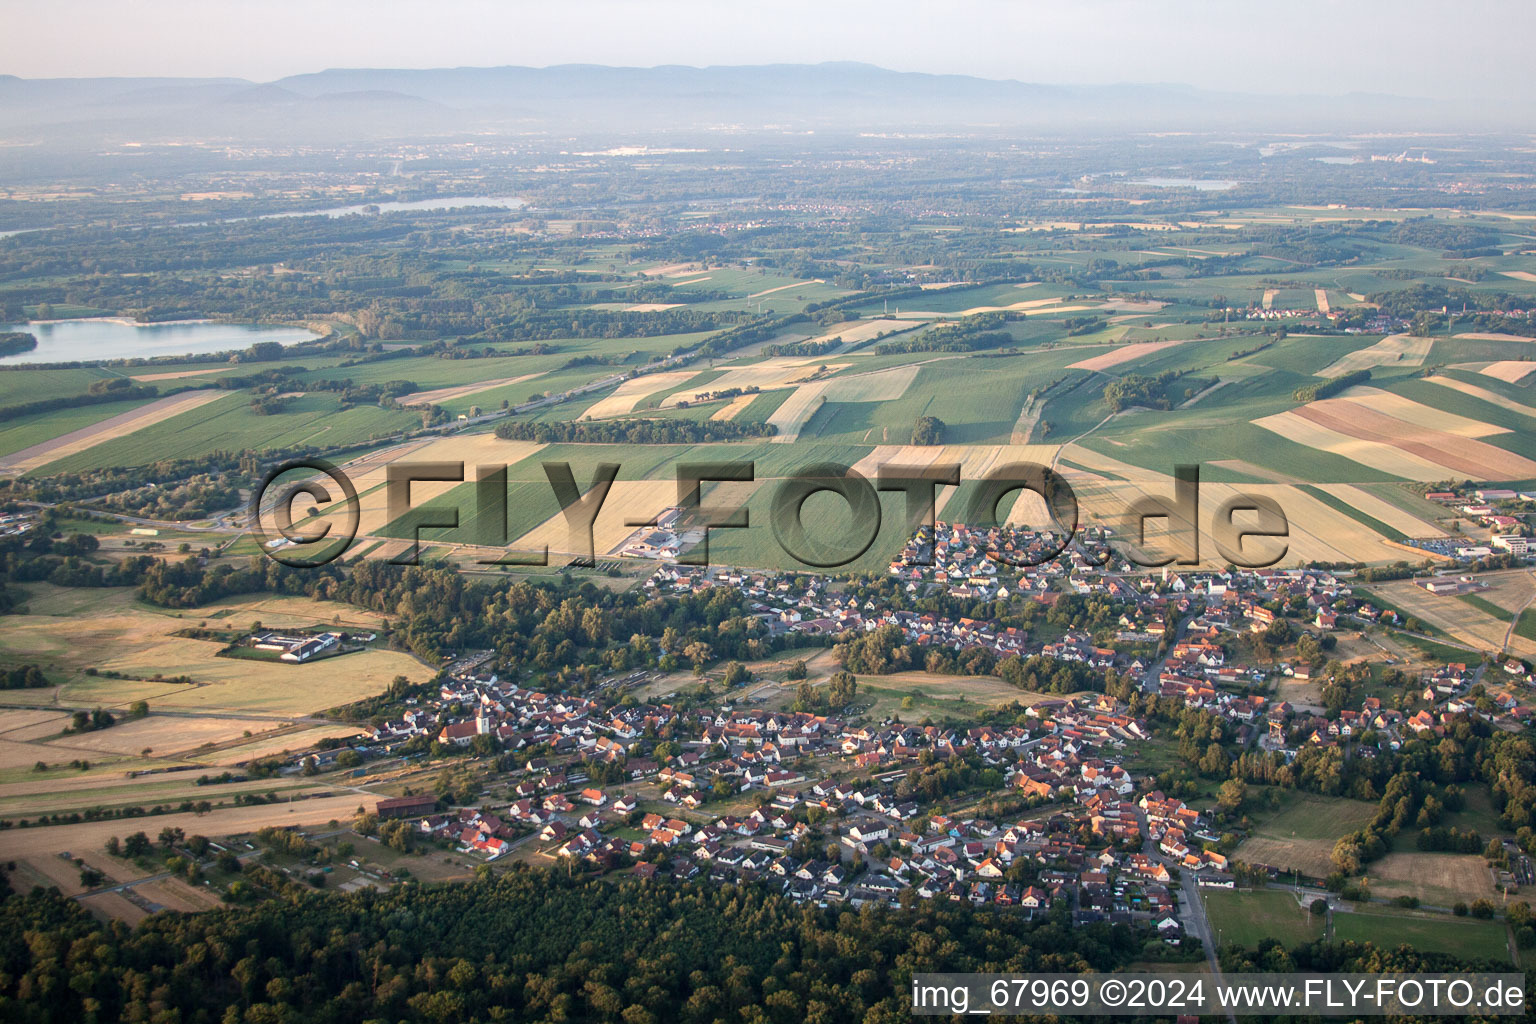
{"x":831,"y":807}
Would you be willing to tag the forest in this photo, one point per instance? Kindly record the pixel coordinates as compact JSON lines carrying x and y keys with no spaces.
{"x":528,"y":946}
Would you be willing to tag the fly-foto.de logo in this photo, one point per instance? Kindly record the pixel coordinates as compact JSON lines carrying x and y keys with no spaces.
{"x":1149,"y":529}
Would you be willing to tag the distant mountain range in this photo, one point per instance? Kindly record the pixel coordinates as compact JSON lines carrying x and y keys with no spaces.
{"x":578,"y":98}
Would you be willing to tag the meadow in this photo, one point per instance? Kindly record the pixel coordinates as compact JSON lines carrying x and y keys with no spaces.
{"x":1247,"y":917}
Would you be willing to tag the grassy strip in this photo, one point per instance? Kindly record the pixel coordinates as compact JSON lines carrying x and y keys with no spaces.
{"x":1486,"y":606}
{"x":1526,"y":625}
{"x":1339,"y":504}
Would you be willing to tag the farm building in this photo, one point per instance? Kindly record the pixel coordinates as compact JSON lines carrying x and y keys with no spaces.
{"x":406,"y":806}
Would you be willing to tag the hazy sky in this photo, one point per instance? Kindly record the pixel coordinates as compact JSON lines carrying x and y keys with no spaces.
{"x":1408,"y":47}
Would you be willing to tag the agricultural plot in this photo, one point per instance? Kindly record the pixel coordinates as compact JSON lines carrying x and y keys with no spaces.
{"x":1124,"y":354}
{"x":440,"y":396}
{"x":1511,"y":371}
{"x":1246,"y":917}
{"x":1418,"y":414}
{"x":1316,"y":531}
{"x":1395,"y":350}
{"x":1301,"y":836}
{"x":1374,"y":454}
{"x":1383,"y":512}
{"x":36,"y":383}
{"x":369,"y":474}
{"x":1429,"y":933}
{"x":1458,"y":453}
{"x":765,"y":375}
{"x":138,"y":417}
{"x":1484,"y":394}
{"x":228,"y":423}
{"x":109,"y":630}
{"x":1458,"y":619}
{"x":632,"y":392}
{"x":42,"y":431}
{"x":876,"y":386}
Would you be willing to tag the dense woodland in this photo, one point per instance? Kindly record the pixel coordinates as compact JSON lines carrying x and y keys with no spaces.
{"x":530,"y":946}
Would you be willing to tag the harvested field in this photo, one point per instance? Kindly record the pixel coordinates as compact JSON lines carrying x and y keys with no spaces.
{"x":1394,"y":350}
{"x":1459,"y":455}
{"x":627,"y":500}
{"x":1459,"y":619}
{"x":370,"y":473}
{"x":785,"y":287}
{"x":1301,"y":836}
{"x":440,"y":395}
{"x":177,"y":374}
{"x":109,"y":631}
{"x":1428,"y":417}
{"x":1519,"y":275}
{"x":174,"y":894}
{"x":1322,"y":299}
{"x":1510,"y":371}
{"x":929,"y":314}
{"x":39,"y":455}
{"x":1440,"y":879}
{"x":1123,"y":354}
{"x":675,"y":270}
{"x":767,"y":375}
{"x":1512,"y":591}
{"x":1495,"y":336}
{"x":225,"y":821}
{"x":735,"y":407}
{"x":1383,"y":511}
{"x":1491,"y":397}
{"x":1269,"y":297}
{"x":114,"y":906}
{"x":635,"y":390}
{"x":877,"y":386}
{"x":652,"y":307}
{"x":276,"y":743}
{"x":856,"y":332}
{"x":1385,"y":457}
{"x":1317,"y":532}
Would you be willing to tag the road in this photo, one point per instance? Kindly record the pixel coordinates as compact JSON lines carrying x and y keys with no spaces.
{"x":1196,"y":923}
{"x":1149,"y":681}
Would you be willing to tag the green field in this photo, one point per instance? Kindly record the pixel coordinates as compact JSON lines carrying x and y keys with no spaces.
{"x":1430,"y":933}
{"x":1526,"y":625}
{"x":229,"y":424}
{"x":1245,"y":917}
{"x":26,"y":431}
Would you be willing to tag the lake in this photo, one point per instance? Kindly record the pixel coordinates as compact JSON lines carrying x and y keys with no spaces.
{"x":1198,"y":184}
{"x":455,"y":203}
{"x":451,"y":203}
{"x":67,"y":341}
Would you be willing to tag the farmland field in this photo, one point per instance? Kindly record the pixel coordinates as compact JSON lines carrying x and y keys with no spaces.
{"x":1480,"y":940}
{"x":1246,"y":917}
{"x":1301,"y":835}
